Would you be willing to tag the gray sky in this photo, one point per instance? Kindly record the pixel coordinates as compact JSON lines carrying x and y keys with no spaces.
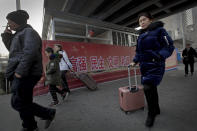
{"x":33,"y":7}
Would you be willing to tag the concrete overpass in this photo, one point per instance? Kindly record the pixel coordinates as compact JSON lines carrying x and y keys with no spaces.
{"x":118,"y":15}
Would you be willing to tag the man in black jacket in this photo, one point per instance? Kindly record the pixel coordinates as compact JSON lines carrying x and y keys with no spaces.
{"x":25,"y":69}
{"x":188,"y":58}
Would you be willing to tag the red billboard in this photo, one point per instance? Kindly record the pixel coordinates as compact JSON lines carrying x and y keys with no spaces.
{"x":87,"y":57}
{"x":104,"y":62}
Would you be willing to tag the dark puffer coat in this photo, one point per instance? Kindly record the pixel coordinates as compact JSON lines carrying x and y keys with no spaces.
{"x":153,"y":47}
{"x":53,"y":76}
{"x":25,"y":52}
{"x":188,"y":55}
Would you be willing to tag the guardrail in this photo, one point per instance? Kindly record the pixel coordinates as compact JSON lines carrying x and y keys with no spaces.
{"x":89,"y":32}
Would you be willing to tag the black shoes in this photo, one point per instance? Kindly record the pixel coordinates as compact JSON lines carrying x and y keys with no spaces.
{"x":65,"y":95}
{"x":54,"y":103}
{"x":151,"y":118}
{"x":25,"y":129}
{"x":48,"y":122}
{"x":186,"y":75}
{"x":150,"y":121}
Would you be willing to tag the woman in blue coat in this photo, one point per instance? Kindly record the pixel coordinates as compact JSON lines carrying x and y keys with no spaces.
{"x":154,"y":45}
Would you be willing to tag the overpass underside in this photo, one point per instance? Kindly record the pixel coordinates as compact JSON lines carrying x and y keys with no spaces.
{"x":110,"y":21}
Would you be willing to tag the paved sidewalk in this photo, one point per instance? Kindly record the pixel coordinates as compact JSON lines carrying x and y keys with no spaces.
{"x":99,"y":110}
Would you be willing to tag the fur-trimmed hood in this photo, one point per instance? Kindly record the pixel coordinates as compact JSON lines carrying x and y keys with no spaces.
{"x":152,"y":26}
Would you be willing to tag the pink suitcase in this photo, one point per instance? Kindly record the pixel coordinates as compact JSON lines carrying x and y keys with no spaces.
{"x":131,"y":101}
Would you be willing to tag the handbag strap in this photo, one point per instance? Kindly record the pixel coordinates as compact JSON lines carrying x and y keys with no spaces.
{"x":65,"y":61}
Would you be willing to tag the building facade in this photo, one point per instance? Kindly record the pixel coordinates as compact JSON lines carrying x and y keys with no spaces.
{"x":182,"y":28}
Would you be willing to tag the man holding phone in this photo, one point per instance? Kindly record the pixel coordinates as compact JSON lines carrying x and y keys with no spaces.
{"x":25,"y":69}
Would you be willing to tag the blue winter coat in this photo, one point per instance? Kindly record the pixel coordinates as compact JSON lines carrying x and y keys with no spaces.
{"x":153,"y":47}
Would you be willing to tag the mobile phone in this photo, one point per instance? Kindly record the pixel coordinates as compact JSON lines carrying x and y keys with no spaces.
{"x":7,"y":26}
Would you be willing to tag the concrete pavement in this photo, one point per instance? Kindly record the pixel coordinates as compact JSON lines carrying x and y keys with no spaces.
{"x":99,"y":110}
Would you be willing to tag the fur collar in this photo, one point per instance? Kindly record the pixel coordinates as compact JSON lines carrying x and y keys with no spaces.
{"x":152,"y":26}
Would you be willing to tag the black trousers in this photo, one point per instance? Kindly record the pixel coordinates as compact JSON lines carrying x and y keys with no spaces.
{"x":64,"y":81}
{"x":53,"y":90}
{"x":191,"y":67}
{"x":152,"y":99}
{"x":22,"y":101}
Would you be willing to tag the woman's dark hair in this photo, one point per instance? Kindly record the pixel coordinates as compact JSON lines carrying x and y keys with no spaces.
{"x":49,"y":50}
{"x":146,"y":14}
{"x":59,"y":45}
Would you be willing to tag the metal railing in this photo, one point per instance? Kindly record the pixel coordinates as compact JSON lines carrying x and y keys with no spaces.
{"x":110,"y":36}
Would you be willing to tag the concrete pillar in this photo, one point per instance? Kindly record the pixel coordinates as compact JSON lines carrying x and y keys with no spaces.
{"x":53,"y":28}
{"x":182,"y":29}
{"x":18,"y":5}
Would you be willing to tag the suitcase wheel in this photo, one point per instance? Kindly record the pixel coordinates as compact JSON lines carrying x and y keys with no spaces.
{"x":92,"y":89}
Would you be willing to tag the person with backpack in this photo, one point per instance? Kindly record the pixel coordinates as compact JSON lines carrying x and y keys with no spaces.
{"x":154,"y":45}
{"x":188,"y":59}
{"x":53,"y":77}
{"x":24,"y":69}
{"x":65,"y":65}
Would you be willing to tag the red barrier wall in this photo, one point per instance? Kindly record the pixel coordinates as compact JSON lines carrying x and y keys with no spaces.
{"x":86,"y":57}
{"x":104,"y":62}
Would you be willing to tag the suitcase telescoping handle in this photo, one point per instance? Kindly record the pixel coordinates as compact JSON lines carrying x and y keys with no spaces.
{"x":135,"y":88}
